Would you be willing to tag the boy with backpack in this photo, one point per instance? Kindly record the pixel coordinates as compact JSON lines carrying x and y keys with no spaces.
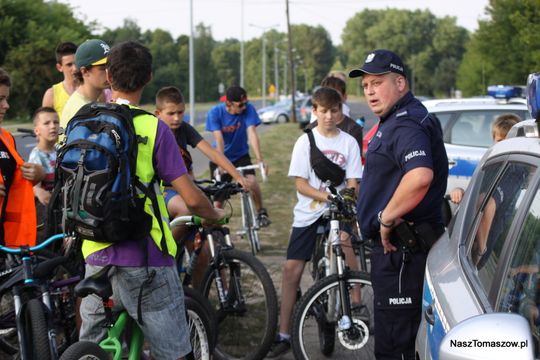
{"x":144,"y":272}
{"x":313,"y":199}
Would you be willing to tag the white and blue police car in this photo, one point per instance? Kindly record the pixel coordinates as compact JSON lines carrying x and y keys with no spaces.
{"x":466,"y":125}
{"x":481,"y":295}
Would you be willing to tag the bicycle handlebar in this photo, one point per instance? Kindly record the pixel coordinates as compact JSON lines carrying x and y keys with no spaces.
{"x":241,"y":169}
{"x":216,"y":187}
{"x":195,"y":220}
{"x":32,"y":248}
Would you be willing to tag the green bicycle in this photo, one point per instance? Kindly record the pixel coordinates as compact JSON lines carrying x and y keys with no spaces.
{"x":200,"y":317}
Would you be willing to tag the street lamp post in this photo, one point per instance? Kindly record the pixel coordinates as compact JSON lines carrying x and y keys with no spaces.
{"x":263,"y":62}
{"x":276,"y":71}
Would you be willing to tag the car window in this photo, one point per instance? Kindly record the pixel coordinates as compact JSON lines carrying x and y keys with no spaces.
{"x":520,"y":290}
{"x":473,"y":128}
{"x":497,"y":206}
{"x":443,"y":119}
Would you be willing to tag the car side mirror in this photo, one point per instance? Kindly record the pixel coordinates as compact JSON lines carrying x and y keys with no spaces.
{"x":489,"y":336}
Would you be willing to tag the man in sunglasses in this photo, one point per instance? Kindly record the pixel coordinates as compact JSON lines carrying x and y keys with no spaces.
{"x":233,"y":125}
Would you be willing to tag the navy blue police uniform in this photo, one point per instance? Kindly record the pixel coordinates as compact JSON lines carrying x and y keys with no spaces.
{"x":408,"y":137}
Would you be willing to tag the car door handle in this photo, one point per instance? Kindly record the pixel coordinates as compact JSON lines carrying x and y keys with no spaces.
{"x":429,"y":315}
{"x":452,"y":163}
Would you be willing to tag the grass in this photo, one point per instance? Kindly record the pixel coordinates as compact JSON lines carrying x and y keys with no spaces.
{"x":279,"y":193}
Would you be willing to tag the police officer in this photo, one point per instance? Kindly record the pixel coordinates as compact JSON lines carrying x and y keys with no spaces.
{"x":399,"y":204}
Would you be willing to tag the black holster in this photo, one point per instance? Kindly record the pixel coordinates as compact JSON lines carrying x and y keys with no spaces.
{"x":417,"y":237}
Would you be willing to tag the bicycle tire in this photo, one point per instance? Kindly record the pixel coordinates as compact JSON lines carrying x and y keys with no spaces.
{"x":243,"y":332}
{"x":84,"y":350}
{"x":318,"y":272}
{"x":360,"y":342}
{"x":36,"y":330}
{"x":202,"y":324}
{"x":251,"y":233}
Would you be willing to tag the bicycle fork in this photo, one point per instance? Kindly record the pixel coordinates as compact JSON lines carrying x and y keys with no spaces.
{"x":225,"y":294}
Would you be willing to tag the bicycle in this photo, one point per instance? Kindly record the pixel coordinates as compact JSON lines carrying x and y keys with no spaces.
{"x":32,"y":317}
{"x":198,"y":316}
{"x":250,"y":223}
{"x":323,"y":261}
{"x":239,"y":288}
{"x":326,"y":309}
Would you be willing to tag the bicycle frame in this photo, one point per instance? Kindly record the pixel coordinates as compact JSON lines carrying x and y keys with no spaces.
{"x":250,"y":224}
{"x":112,"y":344}
{"x":214,"y":253}
{"x":29,"y":285}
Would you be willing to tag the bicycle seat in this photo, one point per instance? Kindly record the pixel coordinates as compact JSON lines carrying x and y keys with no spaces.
{"x":97,"y":283}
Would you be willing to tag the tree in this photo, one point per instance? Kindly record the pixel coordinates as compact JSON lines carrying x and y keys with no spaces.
{"x":505,"y":48}
{"x":130,"y":30}
{"x":205,"y":71}
{"x":226,"y":59}
{"x":428,"y":45}
{"x":27,"y":47}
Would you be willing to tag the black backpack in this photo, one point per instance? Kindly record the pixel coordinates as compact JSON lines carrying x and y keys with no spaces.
{"x":324,"y":168}
{"x":95,"y":194}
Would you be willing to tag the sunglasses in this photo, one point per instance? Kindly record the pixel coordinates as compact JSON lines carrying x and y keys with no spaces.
{"x":241,"y":104}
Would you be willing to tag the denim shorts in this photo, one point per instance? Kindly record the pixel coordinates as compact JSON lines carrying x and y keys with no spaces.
{"x":162,"y":306}
{"x":168,"y":194}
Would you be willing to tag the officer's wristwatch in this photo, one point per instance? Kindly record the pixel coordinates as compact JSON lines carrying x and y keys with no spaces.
{"x":379,"y":217}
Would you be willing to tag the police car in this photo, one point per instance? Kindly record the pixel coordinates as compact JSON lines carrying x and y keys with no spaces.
{"x":466,"y":125}
{"x":481,"y":295}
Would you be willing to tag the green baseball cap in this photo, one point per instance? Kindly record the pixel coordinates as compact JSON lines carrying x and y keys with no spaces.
{"x":91,"y":52}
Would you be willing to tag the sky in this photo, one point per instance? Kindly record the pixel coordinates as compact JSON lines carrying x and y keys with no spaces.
{"x":225,"y":16}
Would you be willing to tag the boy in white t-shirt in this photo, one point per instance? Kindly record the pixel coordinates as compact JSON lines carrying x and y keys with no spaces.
{"x":312,"y":194}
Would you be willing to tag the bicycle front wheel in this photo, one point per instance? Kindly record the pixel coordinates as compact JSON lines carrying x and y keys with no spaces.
{"x":84,"y":350}
{"x":247,"y":322}
{"x":316,"y":333}
{"x":36,"y":331}
{"x":201,"y":324}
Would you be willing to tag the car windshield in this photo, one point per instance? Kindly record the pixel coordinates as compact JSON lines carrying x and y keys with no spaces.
{"x":473,"y":128}
{"x":284,"y":102}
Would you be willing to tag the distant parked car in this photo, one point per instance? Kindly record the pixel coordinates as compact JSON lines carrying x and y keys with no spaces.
{"x":305,"y":111}
{"x":280,"y":112}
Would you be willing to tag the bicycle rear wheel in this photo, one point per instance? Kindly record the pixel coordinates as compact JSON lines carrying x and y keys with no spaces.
{"x":313,"y":320}
{"x":247,"y":323}
{"x":36,"y":331}
{"x":201,"y":323}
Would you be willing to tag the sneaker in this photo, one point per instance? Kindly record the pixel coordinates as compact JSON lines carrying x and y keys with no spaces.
{"x":279,"y":347}
{"x":262,"y":218}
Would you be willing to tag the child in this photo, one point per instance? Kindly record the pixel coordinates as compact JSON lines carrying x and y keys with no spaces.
{"x":312,"y":194}
{"x":57,"y":95}
{"x":500,"y":128}
{"x":46,"y":126}
{"x":170,"y":108}
{"x":145,"y":280}
{"x":17,"y":178}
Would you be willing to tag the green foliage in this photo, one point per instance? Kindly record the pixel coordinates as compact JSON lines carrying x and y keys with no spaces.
{"x":429,"y":46}
{"x":504,"y":49}
{"x":27,"y":47}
